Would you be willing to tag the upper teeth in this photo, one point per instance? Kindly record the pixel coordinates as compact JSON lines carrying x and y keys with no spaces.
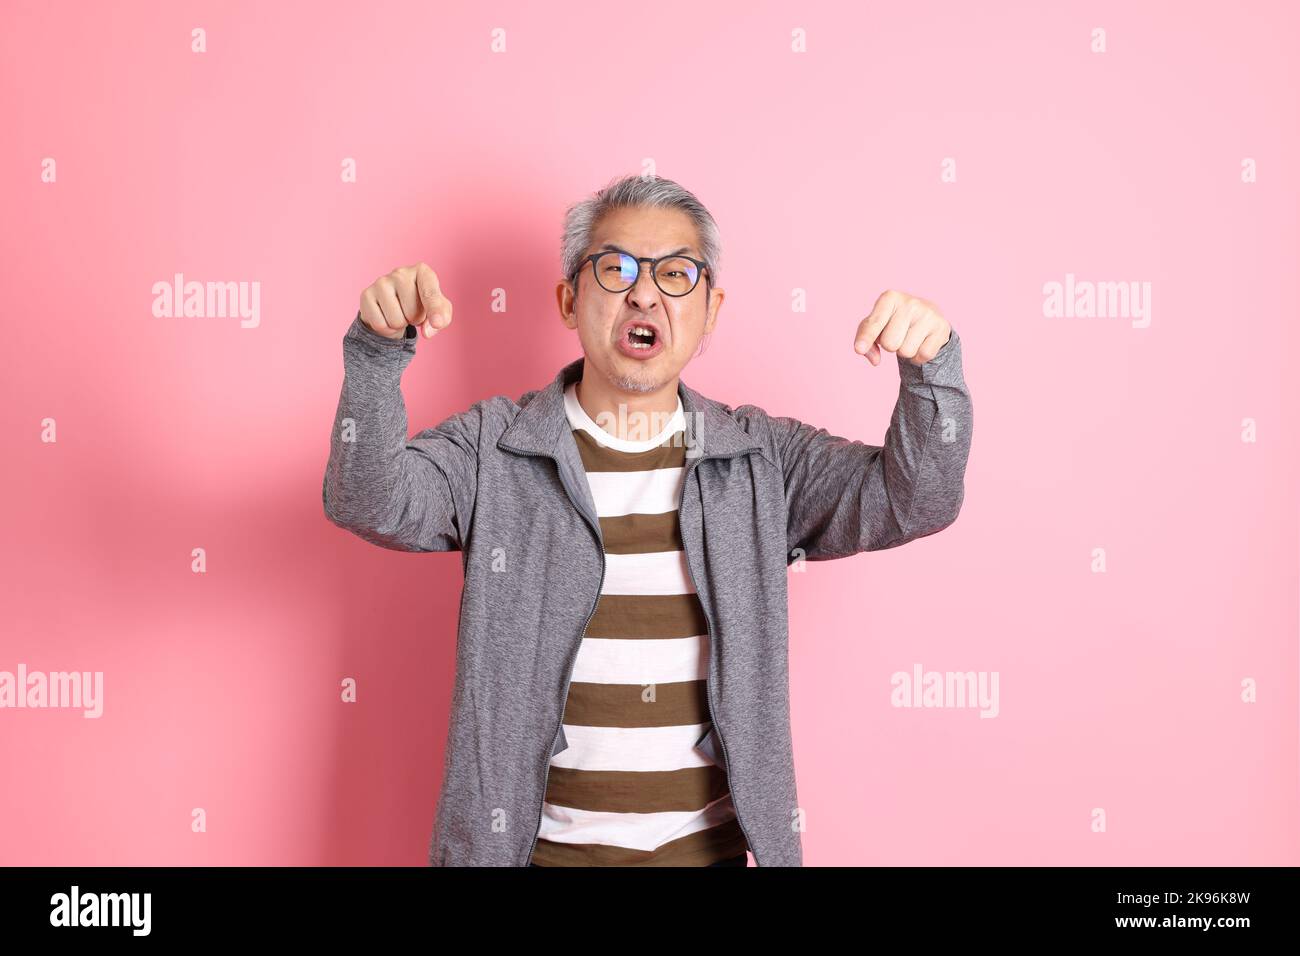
{"x":641,"y":330}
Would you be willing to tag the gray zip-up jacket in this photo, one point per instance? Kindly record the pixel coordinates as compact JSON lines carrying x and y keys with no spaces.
{"x":503,"y":483}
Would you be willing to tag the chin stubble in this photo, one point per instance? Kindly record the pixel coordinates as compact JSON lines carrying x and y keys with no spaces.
{"x":629,"y":384}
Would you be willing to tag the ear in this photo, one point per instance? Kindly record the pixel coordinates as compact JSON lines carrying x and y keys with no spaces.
{"x":715,"y":305}
{"x":566,"y":300}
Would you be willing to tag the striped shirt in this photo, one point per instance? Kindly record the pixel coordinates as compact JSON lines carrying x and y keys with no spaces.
{"x":631,"y":789}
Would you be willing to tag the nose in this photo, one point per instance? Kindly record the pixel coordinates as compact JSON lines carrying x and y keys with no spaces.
{"x":644,"y":293}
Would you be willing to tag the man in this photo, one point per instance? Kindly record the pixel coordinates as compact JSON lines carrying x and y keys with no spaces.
{"x":621,"y":693}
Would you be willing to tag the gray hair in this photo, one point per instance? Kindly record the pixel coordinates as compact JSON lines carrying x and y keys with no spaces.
{"x":641,"y":190}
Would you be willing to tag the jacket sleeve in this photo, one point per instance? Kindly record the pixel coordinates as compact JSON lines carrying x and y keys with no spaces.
{"x":844,"y":497}
{"x":407,"y":494}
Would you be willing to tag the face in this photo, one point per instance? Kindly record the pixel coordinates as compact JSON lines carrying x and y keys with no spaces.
{"x":604,"y":319}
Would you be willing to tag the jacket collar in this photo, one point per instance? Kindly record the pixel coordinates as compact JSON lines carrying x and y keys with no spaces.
{"x":541,"y":422}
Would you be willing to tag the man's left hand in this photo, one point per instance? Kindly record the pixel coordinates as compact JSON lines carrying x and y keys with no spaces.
{"x":902,"y":323}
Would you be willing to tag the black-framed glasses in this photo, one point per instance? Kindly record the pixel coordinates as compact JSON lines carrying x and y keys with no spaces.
{"x":618,"y":272}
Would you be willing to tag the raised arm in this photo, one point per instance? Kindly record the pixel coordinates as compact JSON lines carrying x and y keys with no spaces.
{"x":407,"y":494}
{"x":844,"y":497}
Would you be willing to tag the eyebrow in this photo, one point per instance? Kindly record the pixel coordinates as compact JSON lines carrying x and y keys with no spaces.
{"x":610,"y":247}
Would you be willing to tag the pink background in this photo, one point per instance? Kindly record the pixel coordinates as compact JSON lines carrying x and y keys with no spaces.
{"x":1118,"y":690}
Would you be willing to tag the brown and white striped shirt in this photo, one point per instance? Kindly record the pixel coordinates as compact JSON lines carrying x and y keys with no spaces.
{"x":631,"y":789}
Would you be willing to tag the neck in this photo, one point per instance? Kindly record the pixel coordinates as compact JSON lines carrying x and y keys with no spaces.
{"x":626,"y":414}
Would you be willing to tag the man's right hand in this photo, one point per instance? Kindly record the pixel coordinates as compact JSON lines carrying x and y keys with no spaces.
{"x":409,"y":295}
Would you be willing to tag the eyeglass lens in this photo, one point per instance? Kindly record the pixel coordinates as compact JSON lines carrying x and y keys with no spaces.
{"x":618,"y":272}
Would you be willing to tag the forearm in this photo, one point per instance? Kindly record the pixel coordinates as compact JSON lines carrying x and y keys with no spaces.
{"x":845,"y":496}
{"x":368,"y":475}
{"x":921,"y":478}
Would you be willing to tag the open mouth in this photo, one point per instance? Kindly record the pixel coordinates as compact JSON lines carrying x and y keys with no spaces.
{"x":641,"y":337}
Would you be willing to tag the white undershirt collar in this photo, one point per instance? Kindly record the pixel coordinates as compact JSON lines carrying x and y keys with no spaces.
{"x":579,"y":418}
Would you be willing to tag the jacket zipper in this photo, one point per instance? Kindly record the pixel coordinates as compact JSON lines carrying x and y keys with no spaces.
{"x":708,"y":683}
{"x":573,"y":656}
{"x":573,"y":660}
